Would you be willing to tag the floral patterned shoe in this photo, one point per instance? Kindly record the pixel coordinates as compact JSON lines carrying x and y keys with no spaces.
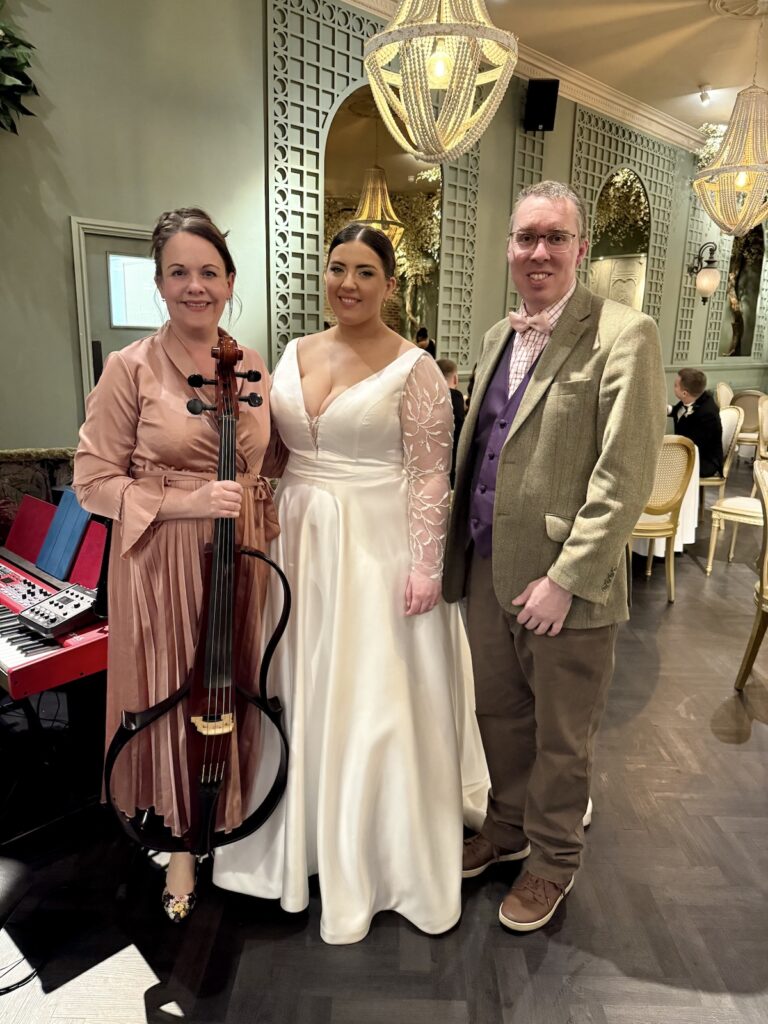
{"x":178,"y":908}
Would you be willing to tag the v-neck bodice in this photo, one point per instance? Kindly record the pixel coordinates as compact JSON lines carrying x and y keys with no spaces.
{"x":362,"y":424}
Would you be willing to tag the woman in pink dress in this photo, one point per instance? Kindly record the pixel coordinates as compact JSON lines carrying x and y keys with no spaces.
{"x":150,"y":465}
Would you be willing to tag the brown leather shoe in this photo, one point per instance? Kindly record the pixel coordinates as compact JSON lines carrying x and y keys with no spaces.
{"x":480,"y":853}
{"x":531,"y":902}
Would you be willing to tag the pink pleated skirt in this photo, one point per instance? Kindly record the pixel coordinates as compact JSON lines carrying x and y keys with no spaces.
{"x":155,"y":602}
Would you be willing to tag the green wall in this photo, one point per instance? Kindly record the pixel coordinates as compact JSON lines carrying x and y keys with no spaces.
{"x":143,"y":106}
{"x":497,"y":152}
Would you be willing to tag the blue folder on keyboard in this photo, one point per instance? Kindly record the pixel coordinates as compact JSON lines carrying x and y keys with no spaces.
{"x":63,"y":538}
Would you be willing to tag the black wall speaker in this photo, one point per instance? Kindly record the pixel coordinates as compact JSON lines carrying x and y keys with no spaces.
{"x":540,"y":105}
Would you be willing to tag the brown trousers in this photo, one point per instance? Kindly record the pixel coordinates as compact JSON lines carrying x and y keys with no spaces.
{"x":539,"y":701}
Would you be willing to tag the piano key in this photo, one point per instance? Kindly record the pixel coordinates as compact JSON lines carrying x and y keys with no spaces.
{"x":31,"y":645}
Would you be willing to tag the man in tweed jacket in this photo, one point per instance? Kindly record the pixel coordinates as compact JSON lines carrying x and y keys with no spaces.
{"x":555,"y":464}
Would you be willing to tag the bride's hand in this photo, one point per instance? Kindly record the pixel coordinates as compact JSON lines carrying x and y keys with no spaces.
{"x":421,"y":594}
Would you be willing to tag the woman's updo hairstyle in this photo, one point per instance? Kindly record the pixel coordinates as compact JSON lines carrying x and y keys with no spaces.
{"x":371,"y":237}
{"x":196,"y":222}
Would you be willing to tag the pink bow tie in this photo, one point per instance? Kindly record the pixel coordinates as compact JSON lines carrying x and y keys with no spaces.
{"x":538,"y":322}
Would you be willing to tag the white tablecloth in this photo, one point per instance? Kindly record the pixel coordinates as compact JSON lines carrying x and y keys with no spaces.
{"x":686,"y":525}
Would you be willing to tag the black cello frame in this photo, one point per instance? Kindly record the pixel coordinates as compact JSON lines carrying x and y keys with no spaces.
{"x":146,"y":827}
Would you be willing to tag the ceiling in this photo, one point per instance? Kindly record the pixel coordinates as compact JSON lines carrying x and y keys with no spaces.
{"x":656,"y":51}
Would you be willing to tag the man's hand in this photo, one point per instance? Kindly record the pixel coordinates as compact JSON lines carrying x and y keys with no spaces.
{"x":545,"y":606}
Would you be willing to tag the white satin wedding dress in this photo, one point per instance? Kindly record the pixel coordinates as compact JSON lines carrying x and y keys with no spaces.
{"x":385,"y":754}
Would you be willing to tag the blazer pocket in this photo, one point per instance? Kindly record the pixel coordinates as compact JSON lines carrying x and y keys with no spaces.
{"x":558,"y":527}
{"x":573,"y":386}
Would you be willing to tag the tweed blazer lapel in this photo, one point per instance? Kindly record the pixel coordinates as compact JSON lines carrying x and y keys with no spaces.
{"x":572,"y":325}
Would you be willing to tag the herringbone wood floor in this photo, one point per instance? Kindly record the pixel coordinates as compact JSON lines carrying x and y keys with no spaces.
{"x":667,"y":923}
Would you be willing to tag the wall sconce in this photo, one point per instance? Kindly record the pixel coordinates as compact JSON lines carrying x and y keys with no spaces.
{"x":706,"y":272}
{"x":704,"y":94}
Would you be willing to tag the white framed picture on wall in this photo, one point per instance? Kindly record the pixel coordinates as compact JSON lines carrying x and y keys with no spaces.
{"x":133,"y":298}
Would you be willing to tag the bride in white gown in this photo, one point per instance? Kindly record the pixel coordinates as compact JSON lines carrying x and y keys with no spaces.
{"x":374,"y":671}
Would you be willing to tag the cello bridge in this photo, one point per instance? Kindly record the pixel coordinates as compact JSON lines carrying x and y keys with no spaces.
{"x":218,"y":725}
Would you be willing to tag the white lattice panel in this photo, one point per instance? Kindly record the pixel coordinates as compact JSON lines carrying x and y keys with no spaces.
{"x":686,"y":306}
{"x":528,"y":169}
{"x":317,"y":55}
{"x":603,"y":146}
{"x":457,"y":257}
{"x":317,"y":58}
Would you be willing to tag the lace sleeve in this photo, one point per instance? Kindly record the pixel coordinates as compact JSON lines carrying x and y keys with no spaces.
{"x":426,"y":418}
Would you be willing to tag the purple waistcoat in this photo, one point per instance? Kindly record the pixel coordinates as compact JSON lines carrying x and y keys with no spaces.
{"x":494,"y":420}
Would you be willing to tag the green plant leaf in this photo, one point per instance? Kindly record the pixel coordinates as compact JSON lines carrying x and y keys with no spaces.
{"x":15,"y":83}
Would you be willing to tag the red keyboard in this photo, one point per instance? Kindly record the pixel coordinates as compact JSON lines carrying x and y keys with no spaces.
{"x":29,"y":663}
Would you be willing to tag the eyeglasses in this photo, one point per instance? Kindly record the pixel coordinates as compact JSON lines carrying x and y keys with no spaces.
{"x":555,"y":241}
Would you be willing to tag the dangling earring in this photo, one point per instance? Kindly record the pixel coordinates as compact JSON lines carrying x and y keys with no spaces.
{"x":230,"y":307}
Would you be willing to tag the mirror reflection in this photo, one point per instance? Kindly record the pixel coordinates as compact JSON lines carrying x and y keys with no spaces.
{"x":362,"y":157}
{"x":742,"y":293}
{"x":621,"y":230}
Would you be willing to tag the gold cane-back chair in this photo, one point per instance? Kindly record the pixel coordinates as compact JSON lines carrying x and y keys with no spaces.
{"x":659,"y":520}
{"x":723,"y":394}
{"x":740,"y":509}
{"x":731,"y":418}
{"x":749,"y":401}
{"x":761,"y":589}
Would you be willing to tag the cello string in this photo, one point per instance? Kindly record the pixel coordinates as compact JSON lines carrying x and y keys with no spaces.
{"x":221,"y":581}
{"x":227,"y":582}
{"x":230,"y":595}
{"x":207,"y":674}
{"x":210,"y":746}
{"x":219,"y":649}
{"x":212,"y":612}
{"x":228,"y":554}
{"x":227,"y":596}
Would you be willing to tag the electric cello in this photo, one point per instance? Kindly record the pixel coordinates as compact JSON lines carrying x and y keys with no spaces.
{"x":214,"y":702}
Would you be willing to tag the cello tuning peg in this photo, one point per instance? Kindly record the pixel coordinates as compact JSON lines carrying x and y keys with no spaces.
{"x":196,"y":380}
{"x":250,"y":375}
{"x":253,"y":399}
{"x":195,"y":406}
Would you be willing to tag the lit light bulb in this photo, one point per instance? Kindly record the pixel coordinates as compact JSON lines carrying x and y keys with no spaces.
{"x":742,"y":179}
{"x":439,"y":66}
{"x":707,"y":281}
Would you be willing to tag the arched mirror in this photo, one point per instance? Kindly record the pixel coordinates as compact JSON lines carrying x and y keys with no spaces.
{"x":742,"y":293}
{"x":621,"y":230}
{"x":362,"y":157}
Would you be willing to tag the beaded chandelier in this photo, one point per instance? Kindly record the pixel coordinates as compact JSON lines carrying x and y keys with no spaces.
{"x":733,"y":189}
{"x":375,"y":207}
{"x":445,"y":53}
